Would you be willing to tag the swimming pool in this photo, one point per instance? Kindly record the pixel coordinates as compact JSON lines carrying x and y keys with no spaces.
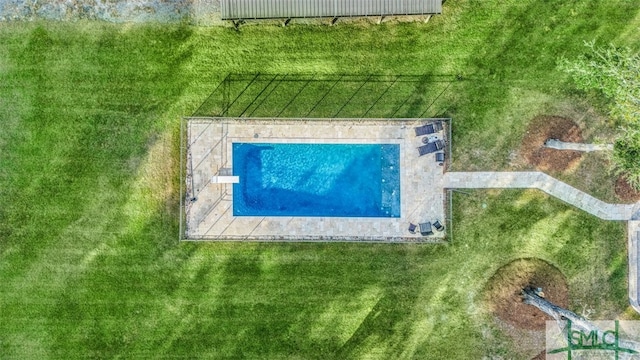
{"x":333,"y":180}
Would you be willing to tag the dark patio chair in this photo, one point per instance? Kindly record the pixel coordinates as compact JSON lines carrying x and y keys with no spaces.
{"x":431,"y":147}
{"x":425,"y":129}
{"x":438,"y":226}
{"x":425,"y":229}
{"x":412,"y":228}
{"x":429,"y":128}
{"x":440,"y":157}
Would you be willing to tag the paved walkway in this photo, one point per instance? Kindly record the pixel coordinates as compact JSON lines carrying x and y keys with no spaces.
{"x":633,"y":230}
{"x":569,"y":194}
{"x":546,"y":183}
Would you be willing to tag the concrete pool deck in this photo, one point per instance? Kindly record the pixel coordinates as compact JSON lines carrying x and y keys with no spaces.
{"x":208,"y":211}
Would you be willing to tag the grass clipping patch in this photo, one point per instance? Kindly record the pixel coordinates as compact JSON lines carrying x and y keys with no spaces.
{"x":505,"y":301}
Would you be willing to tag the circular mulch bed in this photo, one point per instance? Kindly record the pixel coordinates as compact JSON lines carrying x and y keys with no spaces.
{"x":625,"y":192}
{"x":504,"y":289}
{"x":542,"y":128}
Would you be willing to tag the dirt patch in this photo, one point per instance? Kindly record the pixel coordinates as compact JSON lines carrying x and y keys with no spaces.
{"x":525,"y":324}
{"x":542,"y":128}
{"x":504,"y":292}
{"x":540,"y":356}
{"x":625,"y":192}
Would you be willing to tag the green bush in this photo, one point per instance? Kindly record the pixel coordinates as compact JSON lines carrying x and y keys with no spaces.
{"x":615,"y":72}
{"x":626,"y":156}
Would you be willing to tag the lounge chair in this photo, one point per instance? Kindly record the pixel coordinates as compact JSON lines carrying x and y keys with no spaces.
{"x":412,"y":228}
{"x":430,"y":128}
{"x":438,"y":226}
{"x":431,"y":147}
{"x":425,"y":229}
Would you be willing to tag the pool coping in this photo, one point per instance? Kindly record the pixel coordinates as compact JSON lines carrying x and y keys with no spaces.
{"x":185,"y":143}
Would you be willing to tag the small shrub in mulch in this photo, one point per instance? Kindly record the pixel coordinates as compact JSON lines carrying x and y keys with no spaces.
{"x":625,"y":192}
{"x":542,"y":128}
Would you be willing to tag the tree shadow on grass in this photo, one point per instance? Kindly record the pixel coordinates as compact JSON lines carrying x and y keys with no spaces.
{"x":503,"y":216}
{"x":88,"y":121}
{"x":520,"y":53}
{"x":85,"y":141}
{"x":300,"y":301}
{"x":532,"y":35}
{"x":592,"y":253}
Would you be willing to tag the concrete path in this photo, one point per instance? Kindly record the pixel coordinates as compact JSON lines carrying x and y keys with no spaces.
{"x":633,"y":231}
{"x":546,"y":183}
{"x":569,"y":194}
{"x":561,"y":145}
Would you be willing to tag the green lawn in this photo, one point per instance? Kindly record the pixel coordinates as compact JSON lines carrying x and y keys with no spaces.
{"x":90,"y":266}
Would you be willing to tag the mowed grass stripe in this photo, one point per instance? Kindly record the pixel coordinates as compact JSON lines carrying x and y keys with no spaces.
{"x":89,"y":262}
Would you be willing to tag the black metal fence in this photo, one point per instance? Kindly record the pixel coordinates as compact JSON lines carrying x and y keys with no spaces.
{"x":328,"y":96}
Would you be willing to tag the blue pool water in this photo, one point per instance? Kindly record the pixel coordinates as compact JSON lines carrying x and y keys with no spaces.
{"x":342,"y":180}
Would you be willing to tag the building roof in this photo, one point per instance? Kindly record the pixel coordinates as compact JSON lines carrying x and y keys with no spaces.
{"x":264,"y":9}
